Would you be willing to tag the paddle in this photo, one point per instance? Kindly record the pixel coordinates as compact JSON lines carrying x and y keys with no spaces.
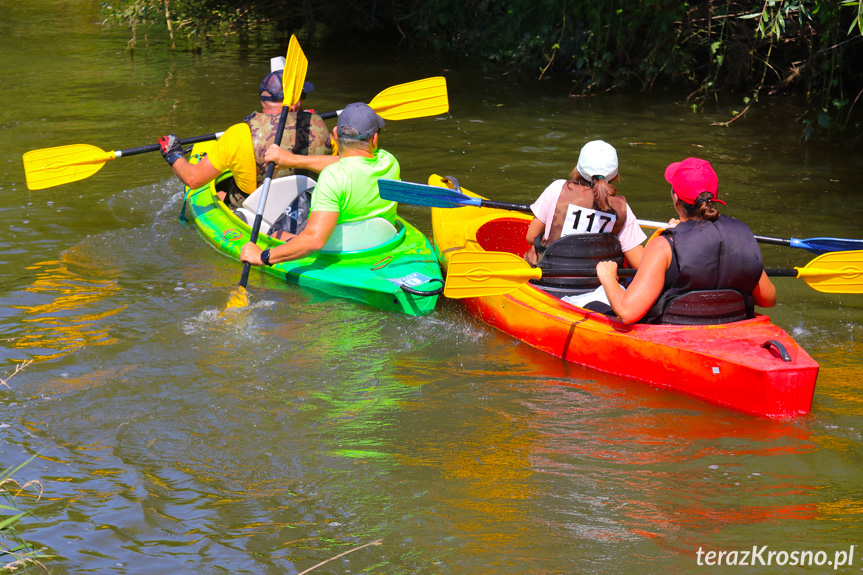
{"x":814,"y":245}
{"x":51,"y":167}
{"x":410,"y":100}
{"x":293,"y":77}
{"x":438,"y":197}
{"x":476,"y":274}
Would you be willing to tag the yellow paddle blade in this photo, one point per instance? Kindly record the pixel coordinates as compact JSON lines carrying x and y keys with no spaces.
{"x":238,"y":298}
{"x":835,"y":272}
{"x":294,"y":74}
{"x":474,"y":274}
{"x":412,"y":100}
{"x":50,"y":167}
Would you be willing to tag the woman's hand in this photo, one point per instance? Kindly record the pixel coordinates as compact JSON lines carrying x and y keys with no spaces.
{"x":673,"y":222}
{"x":606,"y":272}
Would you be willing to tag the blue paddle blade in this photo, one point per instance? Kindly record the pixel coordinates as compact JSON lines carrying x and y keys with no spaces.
{"x":423,"y":195}
{"x":826,"y":245}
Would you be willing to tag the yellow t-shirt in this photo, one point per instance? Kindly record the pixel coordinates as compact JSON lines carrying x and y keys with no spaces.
{"x":233,"y":151}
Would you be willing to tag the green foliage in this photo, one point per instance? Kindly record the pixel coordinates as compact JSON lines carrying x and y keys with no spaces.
{"x":713,"y":46}
{"x":808,"y":45}
{"x":200,"y":22}
{"x":717,"y":47}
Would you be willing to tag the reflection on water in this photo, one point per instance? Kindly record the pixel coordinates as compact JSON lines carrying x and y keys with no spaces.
{"x":281,"y":449}
{"x":61,"y":312}
{"x":840,"y":381}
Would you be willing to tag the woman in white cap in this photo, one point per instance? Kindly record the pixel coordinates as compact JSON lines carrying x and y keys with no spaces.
{"x":586,"y":203}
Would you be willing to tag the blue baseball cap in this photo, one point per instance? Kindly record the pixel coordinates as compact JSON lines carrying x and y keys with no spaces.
{"x":362,"y":118}
{"x":271,"y":88}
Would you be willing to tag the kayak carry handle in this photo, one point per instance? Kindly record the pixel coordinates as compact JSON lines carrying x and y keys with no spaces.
{"x":783,"y":353}
{"x":421,"y":293}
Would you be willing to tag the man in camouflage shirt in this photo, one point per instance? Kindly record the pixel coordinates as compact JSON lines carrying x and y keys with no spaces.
{"x":305,"y":133}
{"x":242,"y":146}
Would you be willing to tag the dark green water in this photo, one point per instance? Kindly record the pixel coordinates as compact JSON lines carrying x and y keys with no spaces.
{"x":177,"y":440}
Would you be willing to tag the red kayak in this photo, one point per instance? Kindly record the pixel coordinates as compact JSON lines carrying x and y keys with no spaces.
{"x":751,"y":365}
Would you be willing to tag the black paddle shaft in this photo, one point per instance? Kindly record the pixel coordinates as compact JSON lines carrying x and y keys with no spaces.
{"x":583,"y":272}
{"x":773,"y":241}
{"x":156,"y":147}
{"x":259,"y":216}
{"x":628,"y":273}
{"x":505,"y":206}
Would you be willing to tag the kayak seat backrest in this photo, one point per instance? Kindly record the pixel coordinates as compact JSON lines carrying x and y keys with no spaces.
{"x":705,"y":307}
{"x":360,"y":235}
{"x":282,"y":192}
{"x":504,"y":234}
{"x":581,"y":251}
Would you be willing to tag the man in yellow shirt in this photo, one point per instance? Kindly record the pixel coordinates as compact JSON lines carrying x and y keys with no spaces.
{"x":242,"y":146}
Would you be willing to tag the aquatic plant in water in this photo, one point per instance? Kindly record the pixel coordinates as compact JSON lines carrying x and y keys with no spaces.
{"x":15,"y":552}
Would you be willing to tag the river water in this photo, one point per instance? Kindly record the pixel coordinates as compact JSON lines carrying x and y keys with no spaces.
{"x":172,"y":438}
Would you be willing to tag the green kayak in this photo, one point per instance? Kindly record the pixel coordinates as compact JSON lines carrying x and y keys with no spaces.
{"x":373,"y":262}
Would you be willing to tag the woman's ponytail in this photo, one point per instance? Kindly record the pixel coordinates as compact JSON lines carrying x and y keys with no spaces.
{"x":703,"y":208}
{"x":602,"y":192}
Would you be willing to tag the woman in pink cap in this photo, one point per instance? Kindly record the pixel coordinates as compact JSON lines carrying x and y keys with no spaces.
{"x":705,"y":251}
{"x":585,"y":203}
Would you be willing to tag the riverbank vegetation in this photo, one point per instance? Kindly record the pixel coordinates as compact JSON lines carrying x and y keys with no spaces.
{"x":16,"y":554}
{"x":726,"y":51}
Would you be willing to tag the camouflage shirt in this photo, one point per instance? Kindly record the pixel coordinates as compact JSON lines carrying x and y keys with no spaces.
{"x":313,"y":138}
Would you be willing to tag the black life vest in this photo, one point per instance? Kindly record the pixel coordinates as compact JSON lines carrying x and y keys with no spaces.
{"x":710,"y":256}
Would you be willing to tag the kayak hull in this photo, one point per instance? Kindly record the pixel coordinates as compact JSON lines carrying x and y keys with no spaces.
{"x":400,"y":275}
{"x":725,"y":365}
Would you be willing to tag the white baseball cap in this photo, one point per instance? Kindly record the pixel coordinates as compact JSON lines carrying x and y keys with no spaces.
{"x":597,"y":158}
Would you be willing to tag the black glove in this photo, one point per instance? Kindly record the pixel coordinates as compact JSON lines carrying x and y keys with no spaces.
{"x":172,"y":150}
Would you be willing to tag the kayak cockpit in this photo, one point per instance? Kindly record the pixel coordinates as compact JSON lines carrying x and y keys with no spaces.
{"x":507,"y":234}
{"x":362,"y":237}
{"x":284,"y":200}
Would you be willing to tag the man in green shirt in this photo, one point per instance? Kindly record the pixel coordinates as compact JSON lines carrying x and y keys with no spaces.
{"x":347,"y":190}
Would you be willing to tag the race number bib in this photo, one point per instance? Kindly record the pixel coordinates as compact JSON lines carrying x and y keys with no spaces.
{"x":587,"y":221}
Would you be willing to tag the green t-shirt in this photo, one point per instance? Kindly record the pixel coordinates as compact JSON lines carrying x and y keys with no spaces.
{"x":350,"y":187}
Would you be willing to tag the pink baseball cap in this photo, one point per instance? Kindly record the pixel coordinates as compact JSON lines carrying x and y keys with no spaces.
{"x":691,"y":177}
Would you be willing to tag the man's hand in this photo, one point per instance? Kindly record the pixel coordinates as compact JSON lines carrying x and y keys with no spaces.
{"x":252,"y":254}
{"x":282,"y":158}
{"x":172,"y":150}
